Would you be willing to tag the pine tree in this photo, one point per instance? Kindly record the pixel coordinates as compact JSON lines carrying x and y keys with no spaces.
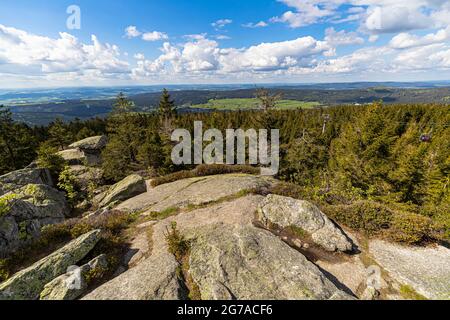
{"x":17,"y":143}
{"x":59,"y":136}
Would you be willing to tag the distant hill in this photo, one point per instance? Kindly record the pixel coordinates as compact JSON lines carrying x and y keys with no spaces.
{"x":30,"y":108}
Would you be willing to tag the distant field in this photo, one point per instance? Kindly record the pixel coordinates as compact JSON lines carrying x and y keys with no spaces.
{"x":243,"y":104}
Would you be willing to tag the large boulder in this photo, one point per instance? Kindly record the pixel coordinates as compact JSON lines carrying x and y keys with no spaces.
{"x":29,"y":283}
{"x":245,"y":263}
{"x":129,"y":187}
{"x":90,"y":144}
{"x":20,"y":178}
{"x":26,"y":211}
{"x":74,"y":283}
{"x":80,"y":157}
{"x":156,"y":278}
{"x":287,"y":212}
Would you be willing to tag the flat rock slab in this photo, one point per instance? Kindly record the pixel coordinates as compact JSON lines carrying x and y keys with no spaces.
{"x":426,"y":270}
{"x":194,"y":191}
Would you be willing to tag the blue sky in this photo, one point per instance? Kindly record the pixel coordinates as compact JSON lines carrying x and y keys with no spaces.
{"x":223,"y":41}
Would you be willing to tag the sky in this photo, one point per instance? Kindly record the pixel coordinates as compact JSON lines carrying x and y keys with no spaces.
{"x":49,"y":43}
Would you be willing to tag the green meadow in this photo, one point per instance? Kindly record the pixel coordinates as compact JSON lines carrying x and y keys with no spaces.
{"x":248,"y":104}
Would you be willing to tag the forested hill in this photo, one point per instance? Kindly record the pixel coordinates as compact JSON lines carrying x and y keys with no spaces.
{"x":44,"y":113}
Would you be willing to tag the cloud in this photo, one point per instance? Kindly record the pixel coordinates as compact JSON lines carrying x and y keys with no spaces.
{"x":202,"y":55}
{"x":339,"y":38}
{"x":219,"y":24}
{"x":154,"y":36}
{"x":25,"y":52}
{"x":222,"y":37}
{"x":374,"y":16}
{"x":132,"y":32}
{"x":261,"y":24}
{"x":407,"y":40}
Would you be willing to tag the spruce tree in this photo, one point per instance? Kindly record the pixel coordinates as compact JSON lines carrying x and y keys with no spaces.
{"x":166,"y":105}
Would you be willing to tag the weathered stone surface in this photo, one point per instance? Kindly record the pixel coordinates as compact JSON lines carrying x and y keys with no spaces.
{"x":194,"y":191}
{"x":426,"y":270}
{"x":29,"y":283}
{"x":86,"y":175}
{"x":246,"y":263}
{"x":127,"y":188}
{"x":154,"y":278}
{"x":91,"y":143}
{"x":73,"y":284}
{"x":73,"y":156}
{"x":20,"y":178}
{"x":285,"y":212}
{"x":350,"y":273}
{"x":33,"y":207}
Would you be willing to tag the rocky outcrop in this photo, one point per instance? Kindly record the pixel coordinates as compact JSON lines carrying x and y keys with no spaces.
{"x":28,"y":210}
{"x":245,"y":263}
{"x":127,"y":188}
{"x":194,"y":192}
{"x":426,"y":270}
{"x":155,"y":278}
{"x":87,"y":151}
{"x":74,"y":283}
{"x":286,"y":212}
{"x":90,"y":144}
{"x":20,"y":178}
{"x":29,"y":283}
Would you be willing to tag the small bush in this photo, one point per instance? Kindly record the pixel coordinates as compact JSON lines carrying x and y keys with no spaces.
{"x":297,"y":232}
{"x":5,"y":203}
{"x":205,"y":170}
{"x":410,"y":228}
{"x":68,"y":183}
{"x":367,"y":216}
{"x":49,"y":159}
{"x":4,"y":270}
{"x":178,"y":246}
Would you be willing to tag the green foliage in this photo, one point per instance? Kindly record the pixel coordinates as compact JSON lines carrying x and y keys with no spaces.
{"x":111,"y":243}
{"x":48,"y":158}
{"x":5,"y":202}
{"x":166,"y":105}
{"x":249,"y":103}
{"x":164,"y":214}
{"x":409,"y":293}
{"x":59,"y":136}
{"x":297,"y":232}
{"x":122,"y":105}
{"x":367,"y":216}
{"x":4,"y":270}
{"x":17,"y":143}
{"x":177,"y":245}
{"x":410,"y":228}
{"x":69,"y":184}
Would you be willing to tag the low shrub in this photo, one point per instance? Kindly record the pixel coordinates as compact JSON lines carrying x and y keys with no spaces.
{"x":54,"y":236}
{"x":178,"y":246}
{"x":410,"y":228}
{"x":368,"y":216}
